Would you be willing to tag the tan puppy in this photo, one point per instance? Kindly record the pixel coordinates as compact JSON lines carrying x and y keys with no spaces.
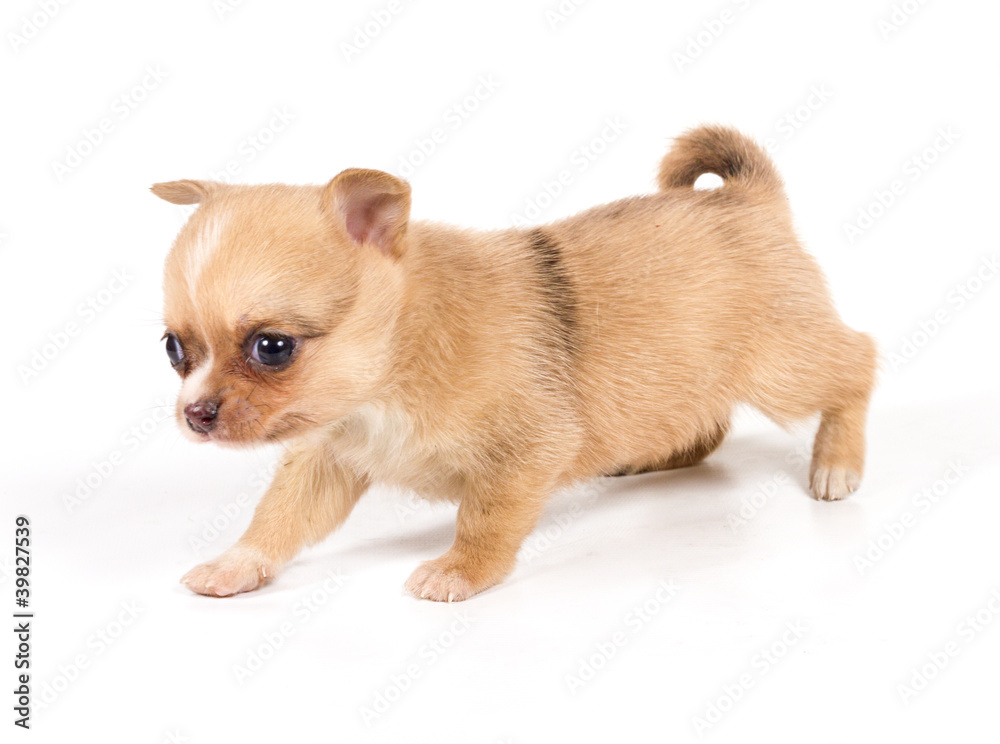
{"x":491,"y":368}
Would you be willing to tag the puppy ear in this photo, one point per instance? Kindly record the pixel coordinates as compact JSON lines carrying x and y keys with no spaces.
{"x":184,"y":192}
{"x":373,"y":206}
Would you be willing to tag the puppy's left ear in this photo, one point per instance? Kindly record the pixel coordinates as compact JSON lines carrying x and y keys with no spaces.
{"x":374,"y":208}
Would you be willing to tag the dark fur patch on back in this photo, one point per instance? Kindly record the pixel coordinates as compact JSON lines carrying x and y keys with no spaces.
{"x":556,"y":287}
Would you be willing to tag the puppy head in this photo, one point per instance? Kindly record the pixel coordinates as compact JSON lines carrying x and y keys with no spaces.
{"x":280,"y":302}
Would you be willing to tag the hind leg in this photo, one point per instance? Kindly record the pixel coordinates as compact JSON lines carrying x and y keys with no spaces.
{"x":839,"y":451}
{"x":832,"y":374}
{"x":838,"y":459}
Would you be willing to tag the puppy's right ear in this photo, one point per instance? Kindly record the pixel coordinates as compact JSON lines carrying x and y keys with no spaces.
{"x":183,"y":192}
{"x":372,"y":206}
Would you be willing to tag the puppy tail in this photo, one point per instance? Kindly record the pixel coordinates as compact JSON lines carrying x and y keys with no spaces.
{"x":721,"y":150}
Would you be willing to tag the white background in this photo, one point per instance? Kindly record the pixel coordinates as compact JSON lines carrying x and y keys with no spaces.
{"x":865,"y":99}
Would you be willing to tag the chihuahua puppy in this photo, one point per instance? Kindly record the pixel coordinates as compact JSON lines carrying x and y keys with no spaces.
{"x":492,"y":368}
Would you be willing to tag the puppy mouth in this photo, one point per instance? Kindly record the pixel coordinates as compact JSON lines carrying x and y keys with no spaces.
{"x":250,"y":432}
{"x":201,"y":436}
{"x":228,"y":436}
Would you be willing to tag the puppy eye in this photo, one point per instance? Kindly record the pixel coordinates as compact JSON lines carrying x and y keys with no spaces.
{"x":175,"y":351}
{"x":272,"y":349}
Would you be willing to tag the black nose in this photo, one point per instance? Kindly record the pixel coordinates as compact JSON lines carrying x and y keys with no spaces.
{"x":201,"y":415}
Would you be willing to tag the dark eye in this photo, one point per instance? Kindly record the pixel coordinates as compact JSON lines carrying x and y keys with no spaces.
{"x":175,"y":352}
{"x":271,"y":349}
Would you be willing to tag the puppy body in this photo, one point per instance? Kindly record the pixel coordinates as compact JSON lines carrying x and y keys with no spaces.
{"x":491,"y":368}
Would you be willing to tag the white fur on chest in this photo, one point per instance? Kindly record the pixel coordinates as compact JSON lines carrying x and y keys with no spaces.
{"x":382,"y":441}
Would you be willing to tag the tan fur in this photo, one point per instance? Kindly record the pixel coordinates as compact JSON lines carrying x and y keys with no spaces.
{"x":491,"y":368}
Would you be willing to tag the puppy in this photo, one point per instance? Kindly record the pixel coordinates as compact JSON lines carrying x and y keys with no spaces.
{"x":492,"y":368}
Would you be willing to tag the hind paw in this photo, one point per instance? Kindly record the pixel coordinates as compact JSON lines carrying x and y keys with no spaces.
{"x":834,"y":483}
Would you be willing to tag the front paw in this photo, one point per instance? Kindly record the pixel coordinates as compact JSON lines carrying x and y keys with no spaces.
{"x":237,"y":570}
{"x":447,"y":580}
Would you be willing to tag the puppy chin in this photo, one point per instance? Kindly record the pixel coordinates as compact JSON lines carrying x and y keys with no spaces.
{"x":219,"y":437}
{"x":243,"y":435}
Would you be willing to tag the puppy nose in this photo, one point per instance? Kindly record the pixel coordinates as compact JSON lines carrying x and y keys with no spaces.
{"x":201,"y":415}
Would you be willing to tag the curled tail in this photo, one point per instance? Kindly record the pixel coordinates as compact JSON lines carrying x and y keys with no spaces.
{"x":721,"y":150}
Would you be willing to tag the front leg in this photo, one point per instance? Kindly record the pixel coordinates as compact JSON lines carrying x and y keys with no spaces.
{"x":311,"y":495}
{"x":494,"y":518}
